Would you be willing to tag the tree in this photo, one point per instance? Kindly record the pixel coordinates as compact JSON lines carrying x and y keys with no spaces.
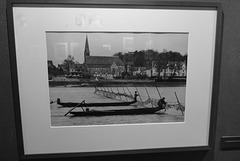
{"x":140,"y":58}
{"x":120,"y":55}
{"x":68,"y":62}
{"x":161,"y":62}
{"x":150,"y":58}
{"x":53,"y":72}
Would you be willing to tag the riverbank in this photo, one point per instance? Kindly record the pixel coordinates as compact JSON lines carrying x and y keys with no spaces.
{"x":116,"y":83}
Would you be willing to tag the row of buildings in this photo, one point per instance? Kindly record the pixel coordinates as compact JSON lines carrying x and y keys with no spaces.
{"x":110,"y":67}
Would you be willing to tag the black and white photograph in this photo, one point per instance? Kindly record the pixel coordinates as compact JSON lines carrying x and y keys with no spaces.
{"x":104,"y":78}
{"x":113,"y":78}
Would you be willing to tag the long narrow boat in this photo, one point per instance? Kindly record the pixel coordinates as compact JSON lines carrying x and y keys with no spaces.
{"x":73,"y":104}
{"x":135,"y":111}
{"x":99,"y":104}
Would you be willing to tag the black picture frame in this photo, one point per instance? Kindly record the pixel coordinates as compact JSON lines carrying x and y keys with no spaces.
{"x":113,"y":4}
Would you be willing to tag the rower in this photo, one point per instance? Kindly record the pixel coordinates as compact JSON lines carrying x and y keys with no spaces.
{"x":58,"y":101}
{"x":135,"y":96}
{"x":162,"y":104}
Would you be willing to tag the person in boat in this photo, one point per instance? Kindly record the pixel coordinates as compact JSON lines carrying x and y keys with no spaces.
{"x":58,"y":101}
{"x":135,"y":96}
{"x":162,"y":104}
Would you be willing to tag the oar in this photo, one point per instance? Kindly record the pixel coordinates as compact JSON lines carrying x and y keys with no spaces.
{"x":176,"y":97}
{"x":95,"y":89}
{"x":52,"y":102}
{"x":108,"y":92}
{"x":119,"y":94}
{"x":158,"y":93}
{"x":105,"y":92}
{"x":111,"y":89}
{"x":179,"y":102}
{"x":125,"y":94}
{"x":129,"y":92}
{"x":139,"y":96}
{"x":75,"y":107}
{"x":149,"y":96}
{"x":113,"y":94}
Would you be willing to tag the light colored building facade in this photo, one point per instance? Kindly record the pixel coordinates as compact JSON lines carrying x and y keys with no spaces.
{"x":104,"y":67}
{"x":178,"y":69}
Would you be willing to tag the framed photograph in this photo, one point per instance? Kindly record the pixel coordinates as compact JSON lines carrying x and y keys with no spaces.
{"x":105,"y":78}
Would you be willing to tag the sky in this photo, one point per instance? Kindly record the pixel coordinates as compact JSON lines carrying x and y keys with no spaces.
{"x":60,"y":44}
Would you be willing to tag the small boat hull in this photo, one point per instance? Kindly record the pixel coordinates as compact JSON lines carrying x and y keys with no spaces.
{"x":72,"y":104}
{"x":138,"y":111}
{"x":100,"y":104}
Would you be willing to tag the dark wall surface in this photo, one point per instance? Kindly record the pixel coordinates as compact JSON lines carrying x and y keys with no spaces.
{"x":228,"y":122}
{"x":228,"y":118}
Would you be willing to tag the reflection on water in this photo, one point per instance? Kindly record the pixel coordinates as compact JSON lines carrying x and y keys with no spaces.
{"x":71,"y":94}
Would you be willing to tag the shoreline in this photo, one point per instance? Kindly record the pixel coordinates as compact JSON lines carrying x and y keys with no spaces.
{"x":123,"y":83}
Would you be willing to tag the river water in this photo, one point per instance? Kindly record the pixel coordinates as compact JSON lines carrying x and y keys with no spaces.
{"x":78,"y":94}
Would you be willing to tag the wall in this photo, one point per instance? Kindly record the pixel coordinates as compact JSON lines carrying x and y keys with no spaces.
{"x":8,"y":146}
{"x":228,"y":120}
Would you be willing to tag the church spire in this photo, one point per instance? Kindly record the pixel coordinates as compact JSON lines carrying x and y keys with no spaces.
{"x":86,"y":51}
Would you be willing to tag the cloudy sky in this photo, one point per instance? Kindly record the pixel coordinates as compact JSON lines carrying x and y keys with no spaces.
{"x":60,"y":45}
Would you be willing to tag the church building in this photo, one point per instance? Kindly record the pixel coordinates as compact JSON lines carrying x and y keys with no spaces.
{"x":106,"y":67}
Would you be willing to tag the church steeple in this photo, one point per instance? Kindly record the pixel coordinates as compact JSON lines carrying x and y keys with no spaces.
{"x":86,"y":51}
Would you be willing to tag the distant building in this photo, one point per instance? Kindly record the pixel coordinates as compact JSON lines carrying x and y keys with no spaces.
{"x":139,"y":71}
{"x":76,"y":68}
{"x":106,"y":67}
{"x":86,"y":52}
{"x":152,"y":72}
{"x":183,"y":70}
{"x":174,"y":69}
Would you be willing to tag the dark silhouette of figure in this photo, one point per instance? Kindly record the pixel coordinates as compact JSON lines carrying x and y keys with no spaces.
{"x":135,"y":96}
{"x":162,"y":103}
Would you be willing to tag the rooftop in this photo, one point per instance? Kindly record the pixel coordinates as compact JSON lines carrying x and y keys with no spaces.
{"x":103,"y":61}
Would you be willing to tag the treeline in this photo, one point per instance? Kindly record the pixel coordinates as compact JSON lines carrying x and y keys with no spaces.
{"x":150,"y":58}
